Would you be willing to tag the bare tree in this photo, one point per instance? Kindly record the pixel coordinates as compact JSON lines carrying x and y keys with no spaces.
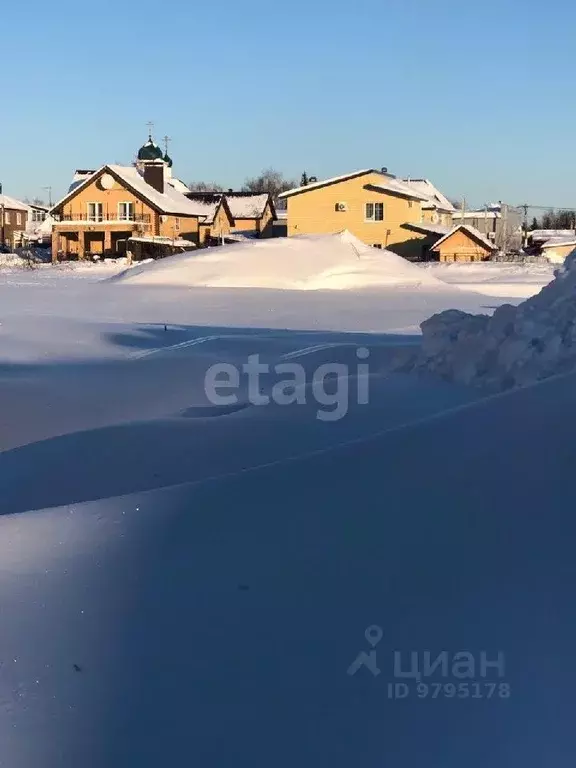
{"x":205,"y":186}
{"x":269,"y":181}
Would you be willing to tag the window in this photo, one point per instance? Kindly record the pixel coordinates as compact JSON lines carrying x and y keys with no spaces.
{"x":19,"y":219}
{"x":7,"y":217}
{"x":177,"y":224}
{"x":94,"y":211}
{"x":374,"y":212}
{"x":409,"y":203}
{"x":376,"y":245}
{"x":126,"y":211}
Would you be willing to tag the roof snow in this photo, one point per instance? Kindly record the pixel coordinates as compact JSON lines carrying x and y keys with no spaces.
{"x":170,"y":201}
{"x":435,"y":197}
{"x":547,"y":234}
{"x":558,"y":242}
{"x":425,"y":226}
{"x":12,"y":204}
{"x":482,"y":214}
{"x":389,"y":184}
{"x":178,"y":185}
{"x":247,"y":206}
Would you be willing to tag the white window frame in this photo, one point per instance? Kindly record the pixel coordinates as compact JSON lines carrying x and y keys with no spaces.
{"x":98,"y":212}
{"x":373,"y":219}
{"x":6,"y":217}
{"x":18,"y":219}
{"x":129,"y":211}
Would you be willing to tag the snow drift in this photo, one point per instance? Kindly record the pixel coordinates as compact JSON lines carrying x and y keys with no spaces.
{"x":214,"y":624}
{"x":514,"y":347}
{"x":306,"y":262}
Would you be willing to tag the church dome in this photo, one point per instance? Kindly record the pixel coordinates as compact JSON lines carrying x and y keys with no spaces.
{"x":168,"y":160}
{"x":150,"y":151}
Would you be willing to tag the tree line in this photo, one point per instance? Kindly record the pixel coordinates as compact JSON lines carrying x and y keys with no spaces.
{"x":562,"y":219}
{"x":269,"y":181}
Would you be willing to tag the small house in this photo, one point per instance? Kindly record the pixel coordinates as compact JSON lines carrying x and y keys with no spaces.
{"x":463,"y":243}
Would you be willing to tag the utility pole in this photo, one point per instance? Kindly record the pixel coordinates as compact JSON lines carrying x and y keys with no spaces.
{"x":49,"y":190}
{"x":525,"y":242}
{"x":463,"y":210}
{"x":504,"y":224}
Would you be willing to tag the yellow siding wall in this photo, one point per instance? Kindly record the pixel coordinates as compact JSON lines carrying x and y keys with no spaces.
{"x":461,"y":247}
{"x":178,"y":226}
{"x":314,"y":212}
{"x":436,"y":217}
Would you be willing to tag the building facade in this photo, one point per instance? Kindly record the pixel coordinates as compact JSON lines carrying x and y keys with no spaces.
{"x":13,"y":221}
{"x":371,"y":204}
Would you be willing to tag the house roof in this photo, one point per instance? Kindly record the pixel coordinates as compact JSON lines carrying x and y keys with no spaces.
{"x":427,"y":227}
{"x":480,"y":214}
{"x":325,"y":183}
{"x":12,"y":204}
{"x":435,"y":197}
{"x":388,"y":184}
{"x":394,"y":186}
{"x":472,"y":231}
{"x":247,"y":206}
{"x":558,"y":242}
{"x":242,"y":205}
{"x":547,"y":234}
{"x":170,"y":201}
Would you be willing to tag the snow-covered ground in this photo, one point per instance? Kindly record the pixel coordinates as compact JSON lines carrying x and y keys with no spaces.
{"x":495,"y":278}
{"x":195,"y":581}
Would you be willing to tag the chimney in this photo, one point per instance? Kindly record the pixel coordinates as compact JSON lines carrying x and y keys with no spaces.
{"x":154,"y":175}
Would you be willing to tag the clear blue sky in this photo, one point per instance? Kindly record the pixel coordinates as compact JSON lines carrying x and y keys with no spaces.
{"x":478,"y":97}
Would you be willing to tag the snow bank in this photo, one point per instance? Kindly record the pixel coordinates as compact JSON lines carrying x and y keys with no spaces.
{"x":516,"y":346}
{"x":307,"y":262}
{"x":12,"y":260}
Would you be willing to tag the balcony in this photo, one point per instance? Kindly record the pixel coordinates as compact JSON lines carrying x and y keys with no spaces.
{"x":100,"y":218}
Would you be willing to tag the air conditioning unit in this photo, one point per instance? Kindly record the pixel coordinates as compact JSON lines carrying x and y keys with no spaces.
{"x":341,"y":207}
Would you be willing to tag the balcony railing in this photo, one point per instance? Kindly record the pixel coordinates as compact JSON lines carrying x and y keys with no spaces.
{"x":135,"y":218}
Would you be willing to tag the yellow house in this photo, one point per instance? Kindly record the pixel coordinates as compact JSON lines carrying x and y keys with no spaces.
{"x":371,"y":204}
{"x":253,"y":214}
{"x":558,"y":248}
{"x":102,"y":212}
{"x":463,"y":243}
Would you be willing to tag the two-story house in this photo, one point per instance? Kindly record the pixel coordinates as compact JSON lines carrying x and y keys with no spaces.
{"x":105,"y":209}
{"x":371,"y":204}
{"x":13,"y":219}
